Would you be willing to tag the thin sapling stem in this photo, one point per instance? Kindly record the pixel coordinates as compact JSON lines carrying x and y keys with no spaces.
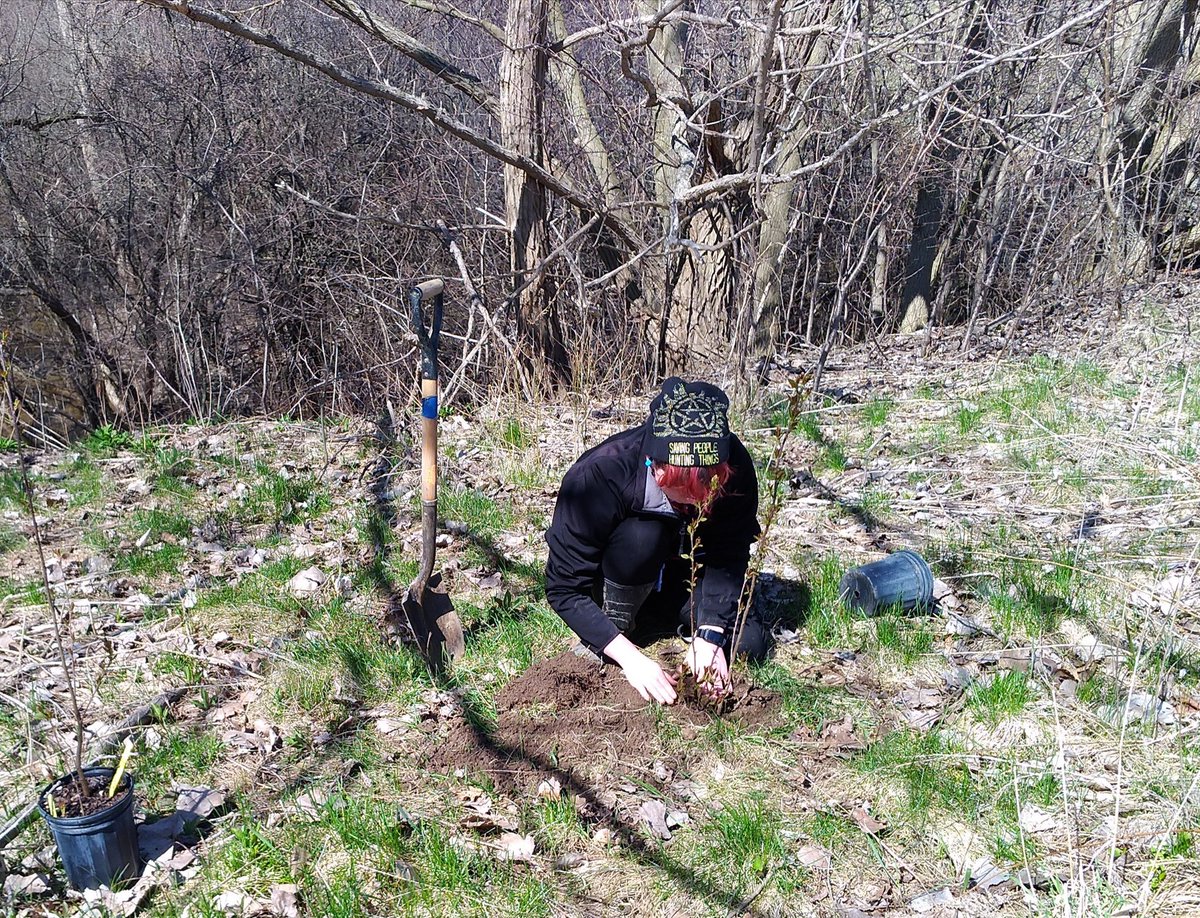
{"x":14,"y":410}
{"x":782,"y":437}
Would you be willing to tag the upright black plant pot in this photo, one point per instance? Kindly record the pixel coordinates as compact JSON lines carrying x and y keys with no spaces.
{"x":99,"y":849}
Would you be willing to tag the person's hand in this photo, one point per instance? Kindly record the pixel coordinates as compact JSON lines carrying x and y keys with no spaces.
{"x":708,"y":664}
{"x":646,"y":676}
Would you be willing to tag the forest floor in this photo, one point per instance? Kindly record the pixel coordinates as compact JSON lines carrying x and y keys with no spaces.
{"x":1030,"y":746}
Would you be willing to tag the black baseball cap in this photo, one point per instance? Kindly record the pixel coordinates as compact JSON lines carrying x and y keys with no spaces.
{"x":688,"y":424}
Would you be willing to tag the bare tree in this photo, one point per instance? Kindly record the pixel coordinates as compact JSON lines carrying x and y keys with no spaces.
{"x":650,"y":187}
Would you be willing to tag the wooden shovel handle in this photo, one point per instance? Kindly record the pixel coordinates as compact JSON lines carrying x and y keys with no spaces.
{"x":428,"y":339}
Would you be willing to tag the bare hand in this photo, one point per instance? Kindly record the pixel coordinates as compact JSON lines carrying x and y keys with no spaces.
{"x":708,"y":664}
{"x":648,"y":678}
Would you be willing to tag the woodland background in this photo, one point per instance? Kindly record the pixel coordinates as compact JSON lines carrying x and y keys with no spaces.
{"x":213,"y":209}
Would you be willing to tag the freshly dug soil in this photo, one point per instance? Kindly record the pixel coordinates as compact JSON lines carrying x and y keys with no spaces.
{"x":576,"y":720}
{"x":71,"y":803}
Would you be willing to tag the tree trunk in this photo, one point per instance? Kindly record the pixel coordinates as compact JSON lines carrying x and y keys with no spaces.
{"x":922,"y":252}
{"x":775,"y":206}
{"x":919,"y":271}
{"x":114,"y":390}
{"x":522,"y":93}
{"x":1143,"y":128}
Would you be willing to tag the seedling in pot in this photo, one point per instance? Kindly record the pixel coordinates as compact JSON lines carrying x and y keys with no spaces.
{"x":64,"y":799}
{"x":94,"y":831}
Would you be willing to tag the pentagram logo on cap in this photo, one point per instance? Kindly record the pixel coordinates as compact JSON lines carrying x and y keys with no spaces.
{"x":689,"y":424}
{"x":684,"y":413}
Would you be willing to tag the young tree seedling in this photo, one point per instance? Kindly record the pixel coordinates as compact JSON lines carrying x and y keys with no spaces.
{"x":14,"y":412}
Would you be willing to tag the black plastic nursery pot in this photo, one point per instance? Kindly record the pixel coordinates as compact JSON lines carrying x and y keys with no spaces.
{"x":900,"y":581}
{"x":99,"y":849}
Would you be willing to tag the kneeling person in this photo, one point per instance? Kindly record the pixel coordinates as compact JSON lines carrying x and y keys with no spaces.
{"x":616,"y":572}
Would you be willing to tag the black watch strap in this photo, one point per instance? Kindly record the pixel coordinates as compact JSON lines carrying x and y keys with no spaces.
{"x":712,"y":635}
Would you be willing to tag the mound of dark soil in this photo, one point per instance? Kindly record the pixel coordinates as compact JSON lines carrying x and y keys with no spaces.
{"x":577,"y":720}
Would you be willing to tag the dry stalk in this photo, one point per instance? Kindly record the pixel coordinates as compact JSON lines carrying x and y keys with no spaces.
{"x":799,"y":391}
{"x":14,"y":411}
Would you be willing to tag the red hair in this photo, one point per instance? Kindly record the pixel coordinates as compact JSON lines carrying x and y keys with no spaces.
{"x":694,"y":483}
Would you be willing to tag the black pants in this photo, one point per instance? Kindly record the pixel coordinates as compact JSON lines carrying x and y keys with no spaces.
{"x":641,"y":549}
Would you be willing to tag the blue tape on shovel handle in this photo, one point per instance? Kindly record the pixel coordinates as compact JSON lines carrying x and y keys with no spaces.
{"x":429,"y":407}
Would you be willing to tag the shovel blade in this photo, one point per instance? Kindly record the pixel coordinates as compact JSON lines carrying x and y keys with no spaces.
{"x":434,"y":622}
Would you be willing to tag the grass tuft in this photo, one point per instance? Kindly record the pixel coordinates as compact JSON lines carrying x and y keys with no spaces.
{"x":1003,"y":695}
{"x":907,"y":639}
{"x":107,"y":441}
{"x":742,"y":842}
{"x":877,"y":411}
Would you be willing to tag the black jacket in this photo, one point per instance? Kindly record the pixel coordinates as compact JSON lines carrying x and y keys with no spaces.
{"x":605,"y":486}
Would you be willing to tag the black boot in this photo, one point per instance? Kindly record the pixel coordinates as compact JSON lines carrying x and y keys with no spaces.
{"x":622,"y":602}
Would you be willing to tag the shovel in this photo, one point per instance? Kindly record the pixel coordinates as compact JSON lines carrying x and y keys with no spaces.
{"x":430,"y":614}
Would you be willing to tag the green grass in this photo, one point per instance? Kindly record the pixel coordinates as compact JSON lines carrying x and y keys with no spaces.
{"x":258,"y":602}
{"x":1015,"y":850}
{"x":1180,"y":850}
{"x":346,"y":649}
{"x":784,"y":414}
{"x":155,"y":560}
{"x":280,"y":500}
{"x":876,"y":412}
{"x":1183,"y":382}
{"x":160,"y":522}
{"x":1098,"y":690}
{"x":1045,"y":791}
{"x":514,"y":436}
{"x":11,"y":538}
{"x":1164,"y":660}
{"x":481,"y":515}
{"x":831,"y":830}
{"x":12,"y":490}
{"x":183,"y":756}
{"x":188,"y":669}
{"x":85,"y":482}
{"x":1143,"y":482}
{"x":829,"y":622}
{"x":741,"y":842}
{"x":1003,"y":695}
{"x":968,"y":419}
{"x":252,"y":854}
{"x":28,"y":593}
{"x":803,"y":702}
{"x":556,"y":825}
{"x":169,"y":470}
{"x":832,"y":458}
{"x":875,"y":504}
{"x":412,"y":865}
{"x":931,"y":773}
{"x":157,"y":556}
{"x":902,"y":638}
{"x":1028,"y":596}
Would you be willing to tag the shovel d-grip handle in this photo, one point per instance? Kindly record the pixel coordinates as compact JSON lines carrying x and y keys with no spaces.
{"x":428,"y":340}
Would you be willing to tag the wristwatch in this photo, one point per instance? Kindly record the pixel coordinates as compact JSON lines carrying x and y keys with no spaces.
{"x":713,"y":635}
